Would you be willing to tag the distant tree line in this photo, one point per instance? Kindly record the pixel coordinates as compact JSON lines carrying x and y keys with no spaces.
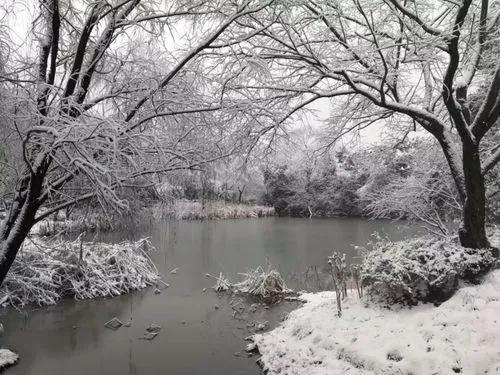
{"x":410,"y":181}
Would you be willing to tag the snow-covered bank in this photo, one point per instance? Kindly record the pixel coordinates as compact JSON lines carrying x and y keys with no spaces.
{"x":460,"y":336}
{"x":93,"y":222}
{"x":193,"y":210}
{"x":96,"y":220}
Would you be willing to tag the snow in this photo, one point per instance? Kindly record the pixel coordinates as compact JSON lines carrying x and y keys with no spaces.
{"x":461,"y":335}
{"x":44,"y":271}
{"x":420,"y":269}
{"x":7,"y":358}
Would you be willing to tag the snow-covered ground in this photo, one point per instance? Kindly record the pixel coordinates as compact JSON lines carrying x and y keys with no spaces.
{"x":460,"y":336}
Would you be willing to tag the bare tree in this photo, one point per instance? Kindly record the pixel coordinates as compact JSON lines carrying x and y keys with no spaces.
{"x":96,"y":111}
{"x":392,"y":61}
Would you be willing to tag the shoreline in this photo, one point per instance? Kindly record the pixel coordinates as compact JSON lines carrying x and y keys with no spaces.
{"x":181,"y":210}
{"x":455,"y":337}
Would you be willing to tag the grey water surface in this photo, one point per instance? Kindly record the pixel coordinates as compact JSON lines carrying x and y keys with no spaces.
{"x":196,"y":336}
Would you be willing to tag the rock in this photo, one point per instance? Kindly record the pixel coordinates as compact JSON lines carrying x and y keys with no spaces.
{"x":153,"y":328}
{"x":216,"y":307}
{"x":184,"y":322}
{"x":394,"y":355}
{"x":157,"y":291}
{"x":261,"y":326}
{"x":204,"y":290}
{"x":174,"y":271}
{"x":237,"y":354}
{"x":113,"y":324}
{"x":251,"y":348}
{"x":7,"y":358}
{"x":149,"y":336}
{"x":112,"y":260}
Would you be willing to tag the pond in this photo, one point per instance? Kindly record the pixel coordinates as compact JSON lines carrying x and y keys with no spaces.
{"x":197,"y":337}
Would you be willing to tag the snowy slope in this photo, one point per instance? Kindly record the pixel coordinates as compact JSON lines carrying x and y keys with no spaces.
{"x":460,"y":336}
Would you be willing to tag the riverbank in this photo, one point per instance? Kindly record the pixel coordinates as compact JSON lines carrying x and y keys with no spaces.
{"x":95,"y":220}
{"x":194,"y":210}
{"x":459,"y":336}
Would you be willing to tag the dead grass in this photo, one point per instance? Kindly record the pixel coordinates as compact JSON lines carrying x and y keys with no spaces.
{"x":192,"y":210}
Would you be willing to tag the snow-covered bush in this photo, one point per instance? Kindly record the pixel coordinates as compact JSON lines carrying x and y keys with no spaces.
{"x":259,"y":282}
{"x":79,"y":222}
{"x":262,"y":283}
{"x":422,"y":269}
{"x":338,"y":269}
{"x":192,"y":210}
{"x":45,"y":271}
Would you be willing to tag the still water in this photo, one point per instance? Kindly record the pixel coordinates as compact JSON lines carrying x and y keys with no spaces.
{"x":196,"y":336}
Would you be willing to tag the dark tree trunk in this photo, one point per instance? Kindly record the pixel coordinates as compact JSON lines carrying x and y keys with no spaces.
{"x":240,"y":194}
{"x":472,"y":232}
{"x":10,"y":247}
{"x":16,"y":227}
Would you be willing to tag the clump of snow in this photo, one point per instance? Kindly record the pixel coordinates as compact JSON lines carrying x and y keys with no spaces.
{"x":45,"y":271}
{"x":459,"y":336}
{"x":422,"y":269}
{"x":7,"y":358}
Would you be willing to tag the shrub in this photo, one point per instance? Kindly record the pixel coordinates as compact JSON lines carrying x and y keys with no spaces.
{"x":262,"y":283}
{"x":424,"y":269}
{"x":46,"y":271}
{"x":259,"y":282}
{"x":191,"y":210}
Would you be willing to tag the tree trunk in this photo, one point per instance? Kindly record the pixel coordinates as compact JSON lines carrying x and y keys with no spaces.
{"x":16,"y":227}
{"x":472,"y":232}
{"x":10,"y":247}
{"x":240,"y":194}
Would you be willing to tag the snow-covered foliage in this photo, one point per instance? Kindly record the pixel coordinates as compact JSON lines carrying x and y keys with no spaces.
{"x":338,"y":269}
{"x":7,"y":358}
{"x":91,"y":222}
{"x":222,"y":283}
{"x":192,"y":210}
{"x":410,"y":182}
{"x":45,"y":271}
{"x":260,"y":282}
{"x":459,"y":336}
{"x":422,"y":269}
